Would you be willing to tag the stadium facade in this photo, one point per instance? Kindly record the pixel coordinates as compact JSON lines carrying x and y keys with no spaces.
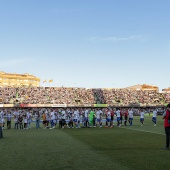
{"x":17,"y":80}
{"x":143,"y":87}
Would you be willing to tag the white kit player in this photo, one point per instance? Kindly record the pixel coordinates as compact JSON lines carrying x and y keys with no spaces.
{"x":98,"y":115}
{"x":86,"y":119}
{"x":154,"y":117}
{"x":118,"y":117}
{"x":142,"y":117}
{"x":76,"y":116}
{"x":2,"y":119}
{"x":52,"y":116}
{"x":130,"y":112}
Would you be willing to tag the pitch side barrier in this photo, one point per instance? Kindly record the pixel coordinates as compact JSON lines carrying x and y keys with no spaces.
{"x":79,"y":105}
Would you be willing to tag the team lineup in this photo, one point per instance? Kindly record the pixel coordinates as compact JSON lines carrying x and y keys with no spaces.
{"x":73,"y":117}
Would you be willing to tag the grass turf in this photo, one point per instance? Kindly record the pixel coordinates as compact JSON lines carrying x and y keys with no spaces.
{"x":124,"y":148}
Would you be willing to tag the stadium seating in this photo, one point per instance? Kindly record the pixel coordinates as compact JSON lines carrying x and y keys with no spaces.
{"x":63,"y":95}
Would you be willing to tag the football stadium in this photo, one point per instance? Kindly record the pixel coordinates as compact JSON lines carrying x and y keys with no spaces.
{"x":80,"y":128}
{"x":84,"y":85}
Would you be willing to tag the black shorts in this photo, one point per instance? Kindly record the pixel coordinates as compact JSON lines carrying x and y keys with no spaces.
{"x":63,"y":121}
{"x":44,"y":122}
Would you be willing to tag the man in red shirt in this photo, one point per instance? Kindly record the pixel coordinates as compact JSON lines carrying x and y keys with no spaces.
{"x":125,"y":117}
{"x":112,"y":118}
{"x":166,"y":117}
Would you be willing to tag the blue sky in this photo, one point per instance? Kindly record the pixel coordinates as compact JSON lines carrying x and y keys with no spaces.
{"x":87,"y":43}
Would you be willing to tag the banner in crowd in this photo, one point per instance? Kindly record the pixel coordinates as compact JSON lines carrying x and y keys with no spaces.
{"x":8,"y":105}
{"x":100,"y":105}
{"x":58,"y":105}
{"x":78,"y":105}
{"x":28,"y":105}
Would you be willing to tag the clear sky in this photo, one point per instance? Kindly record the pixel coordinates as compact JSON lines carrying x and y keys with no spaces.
{"x":87,"y":43}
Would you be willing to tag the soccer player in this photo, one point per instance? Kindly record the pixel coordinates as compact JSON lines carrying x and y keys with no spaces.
{"x":142,"y":117}
{"x":8,"y":115}
{"x":28,"y":119}
{"x":91,"y":117}
{"x":25,"y":122}
{"x":154,"y":117}
{"x":63,"y":116}
{"x":118,"y":117}
{"x":94,"y":119}
{"x":130,"y":112}
{"x":1,"y":130}
{"x":60,"y":118}
{"x":112,"y":117}
{"x":125,"y":117}
{"x":55,"y":120}
{"x":76,"y":116}
{"x":86,"y":120}
{"x":52,"y":117}
{"x":109,"y":118}
{"x":2,"y":119}
{"x":98,"y":115}
{"x":70,"y":117}
{"x":121,"y":116}
{"x":37,"y":119}
{"x":47,"y":118}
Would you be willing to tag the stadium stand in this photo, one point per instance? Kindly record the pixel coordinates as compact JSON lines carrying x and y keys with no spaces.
{"x":80,"y":96}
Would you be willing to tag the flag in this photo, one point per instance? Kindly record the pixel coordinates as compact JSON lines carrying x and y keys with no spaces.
{"x":44,"y":81}
{"x":50,"y":81}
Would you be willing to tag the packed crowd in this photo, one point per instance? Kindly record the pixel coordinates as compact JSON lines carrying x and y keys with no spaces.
{"x":71,"y":117}
{"x":62,"y":95}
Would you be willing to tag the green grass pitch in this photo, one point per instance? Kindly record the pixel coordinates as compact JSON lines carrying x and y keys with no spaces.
{"x":125,"y":148}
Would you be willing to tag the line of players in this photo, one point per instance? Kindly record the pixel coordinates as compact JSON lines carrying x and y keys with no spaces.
{"x":72,"y":117}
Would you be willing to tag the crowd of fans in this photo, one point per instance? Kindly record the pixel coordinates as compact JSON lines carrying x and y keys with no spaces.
{"x":63,"y":95}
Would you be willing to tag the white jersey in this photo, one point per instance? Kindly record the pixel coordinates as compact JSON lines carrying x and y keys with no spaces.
{"x":86,"y":114}
{"x":25,"y":120}
{"x":2,"y":114}
{"x":9,"y":116}
{"x":130,"y":114}
{"x":47,"y":116}
{"x":98,"y":114}
{"x":63,"y":113}
{"x":52,"y":115}
{"x":28,"y":115}
{"x":15,"y":120}
{"x":1,"y":118}
{"x":118,"y":113}
{"x":16,"y":114}
{"x":154,"y":113}
{"x":76,"y":114}
{"x":59,"y":116}
{"x":109,"y":115}
{"x":142,"y":115}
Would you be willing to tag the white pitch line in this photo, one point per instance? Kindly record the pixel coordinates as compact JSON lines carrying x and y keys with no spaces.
{"x":143,"y":131}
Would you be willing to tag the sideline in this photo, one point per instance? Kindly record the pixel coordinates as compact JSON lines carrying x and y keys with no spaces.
{"x":143,"y":131}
